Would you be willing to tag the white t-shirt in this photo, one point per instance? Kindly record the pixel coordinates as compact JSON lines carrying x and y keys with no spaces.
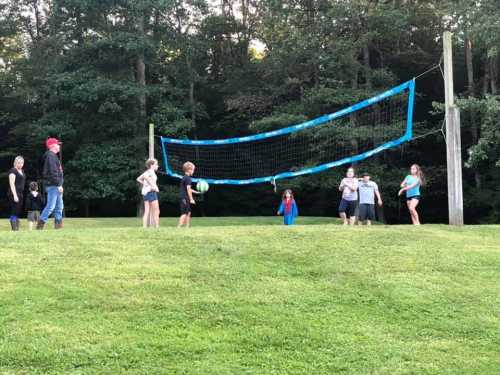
{"x":146,"y":187}
{"x":347,"y":193}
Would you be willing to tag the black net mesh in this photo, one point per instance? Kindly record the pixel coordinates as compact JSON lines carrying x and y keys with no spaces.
{"x":345,"y":137}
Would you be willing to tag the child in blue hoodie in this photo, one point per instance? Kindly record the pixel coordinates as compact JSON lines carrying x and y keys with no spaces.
{"x":288,"y":207}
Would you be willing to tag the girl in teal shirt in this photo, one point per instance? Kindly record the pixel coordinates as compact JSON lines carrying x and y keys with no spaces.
{"x":411,"y":185}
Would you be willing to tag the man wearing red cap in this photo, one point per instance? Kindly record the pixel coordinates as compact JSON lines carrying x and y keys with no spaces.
{"x":53,"y":177}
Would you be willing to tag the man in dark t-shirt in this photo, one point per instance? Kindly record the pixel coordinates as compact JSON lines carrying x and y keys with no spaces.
{"x":186,"y":194}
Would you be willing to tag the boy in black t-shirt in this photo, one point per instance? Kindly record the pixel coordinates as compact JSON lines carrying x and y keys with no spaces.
{"x":186,"y":194}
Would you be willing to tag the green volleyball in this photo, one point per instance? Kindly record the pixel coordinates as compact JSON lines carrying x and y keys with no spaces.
{"x":202,"y":186}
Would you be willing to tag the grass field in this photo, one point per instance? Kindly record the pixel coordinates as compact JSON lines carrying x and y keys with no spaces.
{"x":240,"y":296}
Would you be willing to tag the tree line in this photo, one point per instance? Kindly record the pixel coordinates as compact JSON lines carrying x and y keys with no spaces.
{"x":96,"y":72}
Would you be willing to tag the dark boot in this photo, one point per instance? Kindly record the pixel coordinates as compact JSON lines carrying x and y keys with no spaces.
{"x":58,"y":224}
{"x":39,"y":225}
{"x":13,"y":225}
{"x":18,"y":223}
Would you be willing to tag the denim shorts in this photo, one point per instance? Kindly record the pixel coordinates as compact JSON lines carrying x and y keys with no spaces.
{"x":151,"y":196}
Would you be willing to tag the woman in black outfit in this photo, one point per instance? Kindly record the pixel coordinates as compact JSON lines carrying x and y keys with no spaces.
{"x":15,"y":193}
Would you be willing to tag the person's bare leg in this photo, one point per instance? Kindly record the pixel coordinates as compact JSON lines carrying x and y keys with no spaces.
{"x":352,"y":220}
{"x":188,"y":220}
{"x":408,"y":204}
{"x":368,"y":222}
{"x":150,"y":217}
{"x":145,"y":217}
{"x":343,"y":217}
{"x":414,"y":204}
{"x":155,"y":214}
{"x":30,"y":225}
{"x":181,"y":221}
{"x":158,"y":215}
{"x":412,"y":216}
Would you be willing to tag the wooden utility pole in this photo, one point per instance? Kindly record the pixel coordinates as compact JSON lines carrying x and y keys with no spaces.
{"x":453,"y":142}
{"x":151,"y":141}
{"x":151,"y":155}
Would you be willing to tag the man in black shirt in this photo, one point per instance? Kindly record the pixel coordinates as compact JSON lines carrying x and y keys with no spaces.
{"x":53,"y":177}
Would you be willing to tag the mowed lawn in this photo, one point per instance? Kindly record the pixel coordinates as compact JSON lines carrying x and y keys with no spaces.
{"x":249,"y":296}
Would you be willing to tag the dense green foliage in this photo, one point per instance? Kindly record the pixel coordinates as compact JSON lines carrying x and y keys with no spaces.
{"x":95,"y":73}
{"x":106,"y":297}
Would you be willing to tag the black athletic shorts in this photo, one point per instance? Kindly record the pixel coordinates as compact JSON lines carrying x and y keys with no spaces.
{"x":366,"y":212}
{"x":349,"y":207}
{"x":417,"y":197}
{"x":185,"y":207}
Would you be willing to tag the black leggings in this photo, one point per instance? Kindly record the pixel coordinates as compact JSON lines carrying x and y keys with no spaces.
{"x":16,"y":208}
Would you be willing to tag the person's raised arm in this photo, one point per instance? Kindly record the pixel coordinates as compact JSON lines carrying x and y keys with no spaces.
{"x":151,"y":182}
{"x":405,"y":186}
{"x":354,"y":185}
{"x":140,"y":179}
{"x":341,"y":186}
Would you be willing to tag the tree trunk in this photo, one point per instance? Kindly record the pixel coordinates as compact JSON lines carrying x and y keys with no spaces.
{"x":486,"y":78}
{"x":366,"y":63}
{"x":192,"y":101}
{"x":140,"y":76}
{"x":353,"y":120}
{"x":38,"y":21}
{"x":470,"y":80}
{"x":469,"y":64}
{"x":140,"y":67}
{"x":494,"y":74}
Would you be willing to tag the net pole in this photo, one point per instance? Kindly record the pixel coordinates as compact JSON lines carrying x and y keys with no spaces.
{"x":151,"y":156}
{"x":151,"y":141}
{"x":453,"y":141}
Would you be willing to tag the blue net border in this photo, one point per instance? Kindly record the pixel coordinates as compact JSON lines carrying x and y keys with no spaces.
{"x":410,"y":86}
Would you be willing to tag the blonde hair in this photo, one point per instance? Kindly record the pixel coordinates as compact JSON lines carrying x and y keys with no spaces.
{"x":18,"y":159}
{"x":187,"y":166}
{"x":420,"y":174}
{"x":283,"y":196}
{"x":150,"y":162}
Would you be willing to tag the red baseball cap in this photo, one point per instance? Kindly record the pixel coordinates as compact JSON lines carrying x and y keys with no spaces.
{"x":51,"y":142}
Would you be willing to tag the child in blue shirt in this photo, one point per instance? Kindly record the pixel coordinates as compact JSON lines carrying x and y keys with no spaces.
{"x":411,"y":185}
{"x":288,"y":208}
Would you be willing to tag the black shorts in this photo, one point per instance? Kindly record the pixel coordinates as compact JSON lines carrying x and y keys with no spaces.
{"x":347,"y":207}
{"x":366,"y":212}
{"x":185,"y":207}
{"x":417,"y":197}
